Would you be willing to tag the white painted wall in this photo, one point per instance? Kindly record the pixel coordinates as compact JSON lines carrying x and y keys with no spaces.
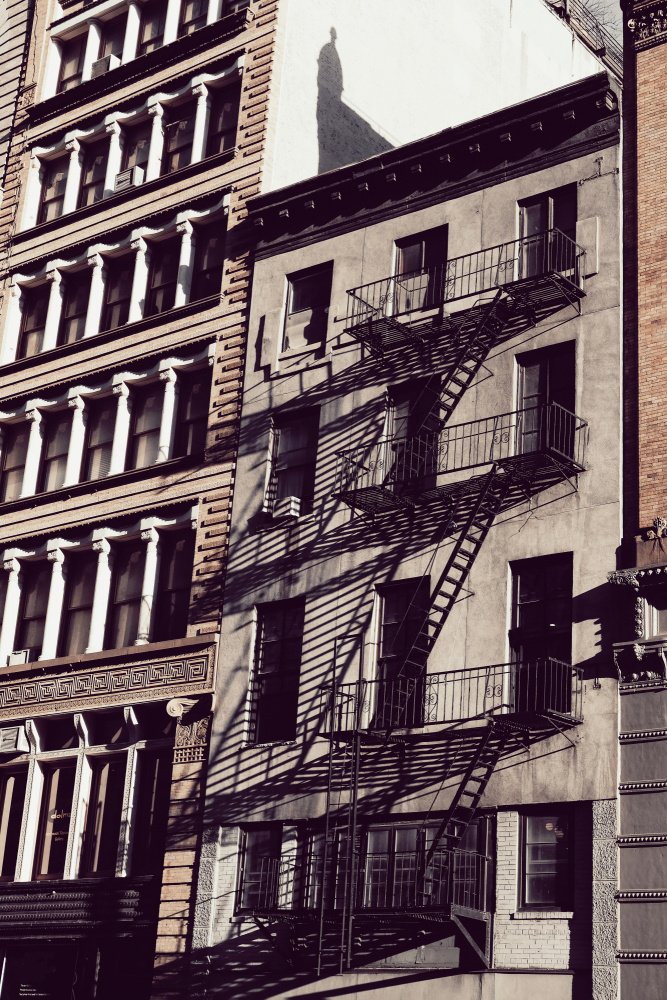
{"x":408,"y":68}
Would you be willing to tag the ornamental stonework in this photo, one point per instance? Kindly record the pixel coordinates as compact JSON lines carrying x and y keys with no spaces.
{"x":648,"y":26}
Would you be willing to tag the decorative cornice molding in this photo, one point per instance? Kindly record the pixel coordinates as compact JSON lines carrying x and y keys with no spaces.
{"x":643,"y":736}
{"x":641,"y":895}
{"x":642,"y":956}
{"x":648,"y":26}
{"x":642,"y":840}
{"x":627,"y":787}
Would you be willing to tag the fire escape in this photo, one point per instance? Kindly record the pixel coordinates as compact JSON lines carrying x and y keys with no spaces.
{"x":467,"y":473}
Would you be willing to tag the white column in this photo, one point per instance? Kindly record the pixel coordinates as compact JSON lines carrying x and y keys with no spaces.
{"x":54,"y":607}
{"x":98,"y":615}
{"x":73,"y":182}
{"x":154,"y":164}
{"x":92,"y":49}
{"x":54,"y":311}
{"x":151,"y":538}
{"x":127,"y":816}
{"x":201,"y":122}
{"x":186,"y":263}
{"x":52,"y":69}
{"x":213,"y":11}
{"x":168,"y":422}
{"x":12,"y":603}
{"x":121,"y":429}
{"x":33,"y":189}
{"x":139,"y":280}
{"x":113,"y":158}
{"x":77,"y":437}
{"x":131,"y":32}
{"x":80,"y":798}
{"x":96,"y":296}
{"x":33,"y":455}
{"x":171,"y":21}
{"x":10,"y":333}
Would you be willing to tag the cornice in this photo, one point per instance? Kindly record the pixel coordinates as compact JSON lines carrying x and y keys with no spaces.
{"x":642,"y":896}
{"x":656,"y":957}
{"x":633,"y":787}
{"x":643,"y":840}
{"x":643,"y":736}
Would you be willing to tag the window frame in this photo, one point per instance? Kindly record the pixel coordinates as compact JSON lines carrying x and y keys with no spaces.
{"x":132,"y":135}
{"x":172,"y":121}
{"x":92,"y":838}
{"x":107,"y":36}
{"x":204,"y":276}
{"x":519,"y":634}
{"x":184,"y":424}
{"x":217,"y":138}
{"x":114,"y":268}
{"x":50,"y":168}
{"x":156,"y":9}
{"x":93,"y":406}
{"x":29,"y":569}
{"x":280,"y":423}
{"x":40,"y":294}
{"x":244,"y":905}
{"x":92,"y":151}
{"x":81,"y":41}
{"x":49,"y":420}
{"x":68,"y":610}
{"x":318,"y":312}
{"x":164,"y":615}
{"x":290,"y":691}
{"x":184,"y":25}
{"x":112,"y":622}
{"x":135,"y":437}
{"x":566,"y":874}
{"x":66,"y":762}
{"x":14,"y":430}
{"x":155,"y":288}
{"x":74,"y":282}
{"x":7,"y":815}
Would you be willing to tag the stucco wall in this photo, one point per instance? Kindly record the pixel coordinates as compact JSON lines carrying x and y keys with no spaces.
{"x":355,"y":80}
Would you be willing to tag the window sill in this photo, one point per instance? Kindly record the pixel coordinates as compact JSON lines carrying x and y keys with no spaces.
{"x":141,"y":66}
{"x":121,"y":196}
{"x":542,"y":915}
{"x":247,"y":745}
{"x":145,"y":323}
{"x":264,"y":521}
{"x":290,"y":363}
{"x":92,"y":486}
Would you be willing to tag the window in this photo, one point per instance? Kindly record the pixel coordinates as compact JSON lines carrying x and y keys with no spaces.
{"x":173,"y":598}
{"x":136,"y":146}
{"x":146,"y":419}
{"x":295,"y":458}
{"x":547,"y":377}
{"x":277,"y":669}
{"x":224,"y":120}
{"x":194,"y":392}
{"x":423,"y":255}
{"x":35,"y":303}
{"x":53,"y":188}
{"x":99,"y":438}
{"x":656,"y":601}
{"x":75,"y":307}
{"x":34,"y":600}
{"x":126,"y":589}
{"x":120,"y":273}
{"x":71,"y":63}
{"x":152,"y":811}
{"x":14,"y":451}
{"x":78,"y":604}
{"x":233,"y":6}
{"x":151,"y":34}
{"x":113,"y":36}
{"x":209,"y":260}
{"x":542,"y":608}
{"x":193,"y":16}
{"x":542,"y":250}
{"x":545,"y":861}
{"x":55,"y":445}
{"x":400,"y":694}
{"x":162,"y":277}
{"x":12,"y":795}
{"x":93,"y":173}
{"x":308,"y":299}
{"x":100,"y":845}
{"x":259,"y":869}
{"x":179,"y":130}
{"x":56,"y":812}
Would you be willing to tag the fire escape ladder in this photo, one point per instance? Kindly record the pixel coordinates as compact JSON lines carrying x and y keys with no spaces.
{"x":337,"y":895}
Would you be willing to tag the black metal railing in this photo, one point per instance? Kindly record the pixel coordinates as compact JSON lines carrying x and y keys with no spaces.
{"x":548,"y":428}
{"x":396,"y":882}
{"x":550,"y":252}
{"x":531,"y":688}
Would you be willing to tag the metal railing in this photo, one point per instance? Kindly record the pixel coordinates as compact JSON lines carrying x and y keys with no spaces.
{"x":530,"y":688}
{"x":392,"y":461}
{"x":396,"y":881}
{"x":592,"y":33}
{"x":550,"y":252}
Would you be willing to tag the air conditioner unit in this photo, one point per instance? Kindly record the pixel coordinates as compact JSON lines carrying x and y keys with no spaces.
{"x":129,"y":178}
{"x":13,"y":740}
{"x":101,"y":66}
{"x":287,"y":507}
{"x":18,"y":656}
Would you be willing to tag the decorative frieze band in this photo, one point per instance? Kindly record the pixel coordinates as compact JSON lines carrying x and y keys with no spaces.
{"x":642,"y":840}
{"x":649,"y":26}
{"x":107,"y":685}
{"x":641,"y":956}
{"x":641,"y":895}
{"x":642,"y":786}
{"x":643,"y":736}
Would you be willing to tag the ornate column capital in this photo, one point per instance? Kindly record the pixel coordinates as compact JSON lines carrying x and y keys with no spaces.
{"x":73,"y":146}
{"x":11,"y":566}
{"x":102,"y":546}
{"x":95,"y":260}
{"x":113,"y":128}
{"x":56,"y":556}
{"x":121,"y":390}
{"x":150,"y":535}
{"x":168,"y":375}
{"x":76,"y":403}
{"x":33,"y":415}
{"x":139,"y":245}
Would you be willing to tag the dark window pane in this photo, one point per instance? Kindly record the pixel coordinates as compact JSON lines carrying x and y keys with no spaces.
{"x":146,"y":417}
{"x":278,"y":665}
{"x":54,"y":821}
{"x":35,"y":304}
{"x":34,"y":599}
{"x":126,"y":595}
{"x":53,"y":188}
{"x":113,"y":36}
{"x":260,"y":858}
{"x":93,"y":173}
{"x":152,"y":812}
{"x":99,"y":438}
{"x":151,"y":34}
{"x":75,"y":630}
{"x":193,"y":16}
{"x":12,"y":794}
{"x":546,"y":875}
{"x":100,"y":848}
{"x":173,"y":601}
{"x":209,"y":260}
{"x":308,"y":308}
{"x":75,"y":307}
{"x":162,"y":277}
{"x":179,"y":128}
{"x":71,"y":63}
{"x":194,"y":393}
{"x":120,"y":273}
{"x":55,"y":447}
{"x":14,"y":450}
{"x":223,"y":121}
{"x":136,"y":145}
{"x":295,"y":460}
{"x":542,"y":608}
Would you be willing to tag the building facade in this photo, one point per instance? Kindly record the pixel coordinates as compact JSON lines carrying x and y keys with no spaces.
{"x":412,"y":775}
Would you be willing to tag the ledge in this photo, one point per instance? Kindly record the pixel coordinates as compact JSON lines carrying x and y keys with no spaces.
{"x":142,"y":66}
{"x":542,"y":915}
